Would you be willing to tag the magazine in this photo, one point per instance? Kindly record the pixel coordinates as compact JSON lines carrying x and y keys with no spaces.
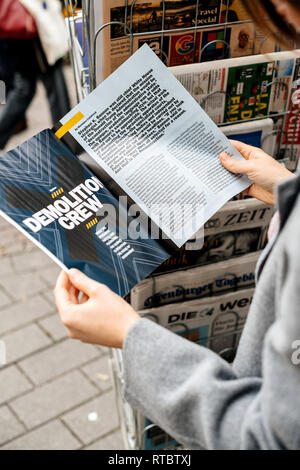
{"x":78,"y":46}
{"x":140,"y":133}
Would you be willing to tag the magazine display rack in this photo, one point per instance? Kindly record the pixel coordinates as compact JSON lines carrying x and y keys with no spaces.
{"x":138,"y":431}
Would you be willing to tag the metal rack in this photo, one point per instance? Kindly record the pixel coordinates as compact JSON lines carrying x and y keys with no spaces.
{"x":138,"y":432}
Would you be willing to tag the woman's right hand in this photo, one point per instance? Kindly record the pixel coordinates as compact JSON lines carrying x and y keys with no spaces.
{"x":261,"y":168}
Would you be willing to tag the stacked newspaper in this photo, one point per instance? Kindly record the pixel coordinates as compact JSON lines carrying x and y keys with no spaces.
{"x":240,"y":227}
{"x":214,"y":322}
{"x":195,"y":283}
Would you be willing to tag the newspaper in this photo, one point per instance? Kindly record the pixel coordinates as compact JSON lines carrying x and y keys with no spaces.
{"x":213,"y":322}
{"x":195,"y":283}
{"x":240,"y":227}
{"x":241,"y":88}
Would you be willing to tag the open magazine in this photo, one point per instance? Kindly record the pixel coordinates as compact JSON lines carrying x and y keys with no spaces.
{"x":126,"y":177}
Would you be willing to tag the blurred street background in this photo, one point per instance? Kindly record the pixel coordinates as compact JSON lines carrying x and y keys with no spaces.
{"x":55,"y":392}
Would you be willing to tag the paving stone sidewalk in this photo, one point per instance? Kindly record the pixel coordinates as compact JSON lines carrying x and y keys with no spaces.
{"x":55,"y":392}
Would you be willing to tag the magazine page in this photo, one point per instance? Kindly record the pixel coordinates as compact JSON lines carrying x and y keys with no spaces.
{"x":144,"y":129}
{"x":53,"y":199}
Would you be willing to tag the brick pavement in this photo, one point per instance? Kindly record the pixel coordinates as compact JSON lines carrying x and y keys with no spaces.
{"x":55,"y":393}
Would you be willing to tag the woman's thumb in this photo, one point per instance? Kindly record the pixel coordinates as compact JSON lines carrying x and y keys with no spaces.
{"x":82,"y":282}
{"x":233,"y":165}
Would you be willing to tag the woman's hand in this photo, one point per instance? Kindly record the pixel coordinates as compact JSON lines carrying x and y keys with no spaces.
{"x":261,"y":168}
{"x":100,"y":317}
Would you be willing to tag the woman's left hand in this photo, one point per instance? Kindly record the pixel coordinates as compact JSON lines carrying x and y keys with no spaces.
{"x":100,"y":317}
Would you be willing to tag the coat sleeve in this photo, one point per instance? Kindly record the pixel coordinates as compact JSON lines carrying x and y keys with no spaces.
{"x":195,"y":395}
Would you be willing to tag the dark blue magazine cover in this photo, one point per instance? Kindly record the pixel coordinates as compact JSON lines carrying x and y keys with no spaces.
{"x":50,"y":195}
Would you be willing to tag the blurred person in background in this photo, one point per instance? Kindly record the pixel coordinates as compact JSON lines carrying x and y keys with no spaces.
{"x":7,"y":73}
{"x":25,"y":61}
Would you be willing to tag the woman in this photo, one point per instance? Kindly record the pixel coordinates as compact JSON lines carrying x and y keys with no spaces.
{"x":186,"y":389}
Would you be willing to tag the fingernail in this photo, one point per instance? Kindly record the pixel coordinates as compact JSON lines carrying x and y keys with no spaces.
{"x":224,"y":156}
{"x":73,"y":272}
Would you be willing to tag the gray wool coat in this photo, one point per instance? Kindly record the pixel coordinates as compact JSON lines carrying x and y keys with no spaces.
{"x":200,"y":399}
